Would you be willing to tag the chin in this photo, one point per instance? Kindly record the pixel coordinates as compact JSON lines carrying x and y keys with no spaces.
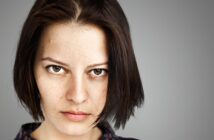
{"x":75,"y":129}
{"x":77,"y":132}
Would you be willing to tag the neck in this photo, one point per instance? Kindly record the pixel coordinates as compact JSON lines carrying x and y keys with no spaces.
{"x":44,"y":131}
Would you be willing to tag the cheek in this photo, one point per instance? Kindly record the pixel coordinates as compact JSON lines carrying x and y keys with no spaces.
{"x":98,"y":94}
{"x":51,"y":91}
{"x":50,"y":100}
{"x":47,"y":96}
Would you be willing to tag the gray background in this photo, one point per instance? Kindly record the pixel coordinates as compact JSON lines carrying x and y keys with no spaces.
{"x":174,"y":45}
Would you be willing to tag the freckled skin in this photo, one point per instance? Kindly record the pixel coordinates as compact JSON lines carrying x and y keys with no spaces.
{"x":74,"y":85}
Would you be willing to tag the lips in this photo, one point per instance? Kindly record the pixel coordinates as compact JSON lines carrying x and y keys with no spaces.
{"x":76,"y":116}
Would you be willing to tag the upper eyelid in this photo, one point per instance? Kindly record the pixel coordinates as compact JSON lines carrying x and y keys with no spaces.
{"x":48,"y":63}
{"x":49,"y":59}
{"x":105,"y":69}
{"x":55,"y":64}
{"x":66,"y":65}
{"x":48,"y":66}
{"x":105,"y":72}
{"x":98,"y":67}
{"x":51,"y":65}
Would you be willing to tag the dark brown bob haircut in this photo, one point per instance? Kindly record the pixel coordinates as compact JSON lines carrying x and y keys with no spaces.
{"x":125,"y":91}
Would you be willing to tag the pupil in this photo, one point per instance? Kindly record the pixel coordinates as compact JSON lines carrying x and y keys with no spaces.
{"x":56,"y":68}
{"x":97,"y":71}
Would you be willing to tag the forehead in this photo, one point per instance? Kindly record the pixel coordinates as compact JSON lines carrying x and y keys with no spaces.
{"x":73,"y":31}
{"x":73,"y":41}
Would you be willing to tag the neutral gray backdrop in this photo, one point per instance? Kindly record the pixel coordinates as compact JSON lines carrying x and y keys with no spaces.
{"x":174,"y":45}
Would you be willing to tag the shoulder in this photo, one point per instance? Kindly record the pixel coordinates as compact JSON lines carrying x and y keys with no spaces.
{"x":26,"y":130}
{"x":122,"y":138}
{"x":109,"y":134}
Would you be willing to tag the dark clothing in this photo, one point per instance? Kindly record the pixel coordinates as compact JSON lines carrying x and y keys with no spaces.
{"x":107,"y":131}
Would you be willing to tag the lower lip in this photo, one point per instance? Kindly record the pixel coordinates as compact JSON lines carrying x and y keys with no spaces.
{"x":75,"y":117}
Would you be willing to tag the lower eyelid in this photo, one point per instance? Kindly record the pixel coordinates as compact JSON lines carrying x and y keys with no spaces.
{"x":49,"y":68}
{"x":104,"y":73}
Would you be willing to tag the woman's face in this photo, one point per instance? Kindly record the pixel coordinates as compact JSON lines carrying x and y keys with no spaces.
{"x":71,"y":73}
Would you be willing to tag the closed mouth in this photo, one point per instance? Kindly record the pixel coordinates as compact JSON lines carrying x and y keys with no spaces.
{"x":76,"y":116}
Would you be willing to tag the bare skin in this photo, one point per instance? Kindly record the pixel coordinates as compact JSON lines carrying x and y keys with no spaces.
{"x":71,"y":73}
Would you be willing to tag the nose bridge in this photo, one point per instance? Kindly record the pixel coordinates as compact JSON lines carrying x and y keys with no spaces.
{"x":77,"y":92}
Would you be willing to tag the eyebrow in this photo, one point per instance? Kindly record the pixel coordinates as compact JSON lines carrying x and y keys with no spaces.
{"x":61,"y":63}
{"x":53,"y":60}
{"x":98,"y":64}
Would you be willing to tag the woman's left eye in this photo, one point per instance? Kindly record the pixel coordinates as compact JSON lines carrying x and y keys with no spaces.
{"x":55,"y":69}
{"x":98,"y":72}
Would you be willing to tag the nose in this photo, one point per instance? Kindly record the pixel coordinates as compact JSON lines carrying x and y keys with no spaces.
{"x":77,"y":92}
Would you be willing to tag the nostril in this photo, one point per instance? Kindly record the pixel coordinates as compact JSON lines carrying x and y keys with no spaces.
{"x":76,"y":95}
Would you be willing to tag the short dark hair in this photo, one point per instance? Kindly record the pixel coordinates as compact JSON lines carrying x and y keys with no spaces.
{"x":125,"y":91}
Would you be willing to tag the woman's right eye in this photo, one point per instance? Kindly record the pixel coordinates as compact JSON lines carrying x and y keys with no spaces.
{"x":54,"y":69}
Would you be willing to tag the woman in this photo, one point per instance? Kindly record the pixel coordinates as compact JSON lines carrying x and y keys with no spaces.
{"x":75,"y":69}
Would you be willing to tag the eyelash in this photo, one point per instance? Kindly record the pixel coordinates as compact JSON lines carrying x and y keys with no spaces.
{"x":104,"y":72}
{"x":50,"y":68}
